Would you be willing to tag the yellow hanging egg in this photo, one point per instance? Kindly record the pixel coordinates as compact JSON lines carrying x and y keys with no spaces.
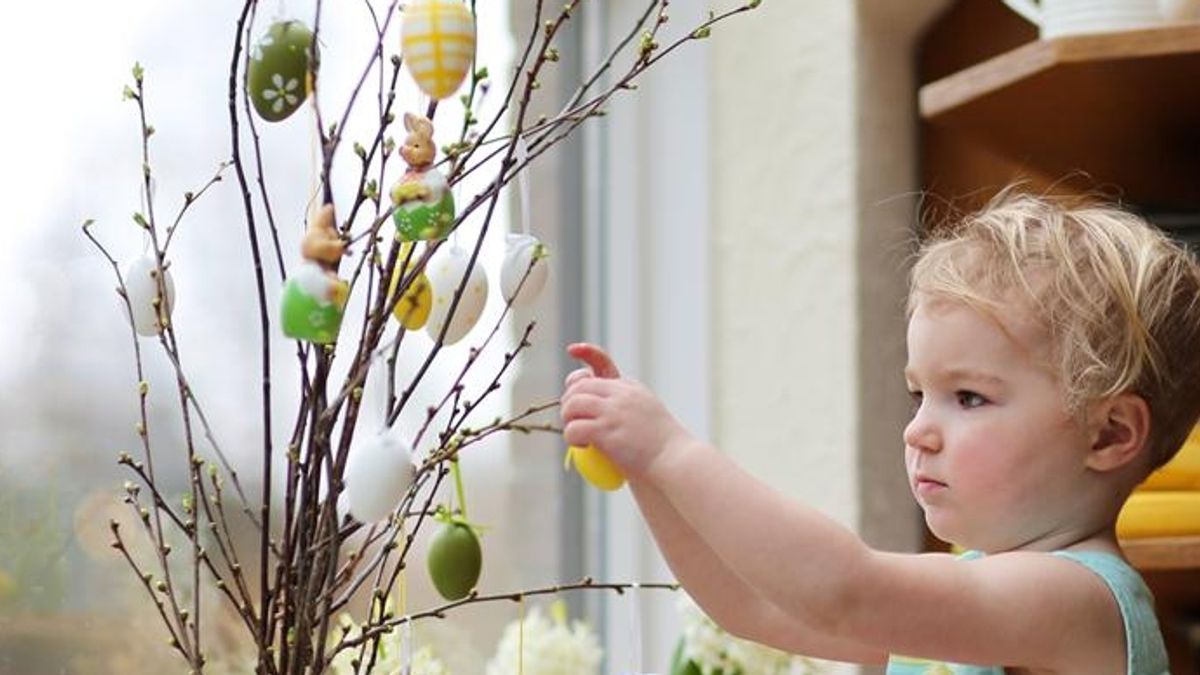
{"x":437,"y":42}
{"x":412,"y":309}
{"x":595,"y":467}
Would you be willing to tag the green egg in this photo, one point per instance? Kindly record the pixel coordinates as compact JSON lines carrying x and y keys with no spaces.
{"x":455,"y":560}
{"x":418,"y":221}
{"x":277,"y":76}
{"x":312,"y":305}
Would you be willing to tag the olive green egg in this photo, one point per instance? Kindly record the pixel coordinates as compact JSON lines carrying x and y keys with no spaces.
{"x":277,"y":76}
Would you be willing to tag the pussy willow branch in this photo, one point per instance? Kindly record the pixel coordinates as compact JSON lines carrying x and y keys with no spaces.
{"x":265,"y":664}
{"x":190,"y":198}
{"x":156,"y":533}
{"x":440,"y":612}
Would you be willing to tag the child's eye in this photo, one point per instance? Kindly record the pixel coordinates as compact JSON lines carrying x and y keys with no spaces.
{"x":914,"y":399}
{"x":969,"y":399}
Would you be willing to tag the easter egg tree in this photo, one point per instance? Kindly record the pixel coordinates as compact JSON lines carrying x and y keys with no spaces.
{"x":342,"y":521}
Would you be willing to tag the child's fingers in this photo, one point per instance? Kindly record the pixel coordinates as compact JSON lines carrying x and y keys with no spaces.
{"x":579,"y":406}
{"x":582,"y":432}
{"x":577,"y":375}
{"x":596,"y":358}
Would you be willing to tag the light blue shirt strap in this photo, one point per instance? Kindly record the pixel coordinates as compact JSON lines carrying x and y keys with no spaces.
{"x":1143,"y":639}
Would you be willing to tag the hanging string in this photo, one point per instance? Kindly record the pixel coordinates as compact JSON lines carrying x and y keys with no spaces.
{"x":521,"y":634}
{"x":458,"y":486}
{"x":635,"y":628}
{"x":456,"y":192}
{"x":314,"y":181}
{"x":521,"y":155}
{"x":146,"y":239}
{"x":406,"y":631}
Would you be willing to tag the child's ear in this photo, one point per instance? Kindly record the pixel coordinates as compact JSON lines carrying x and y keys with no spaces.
{"x":1122,"y":427}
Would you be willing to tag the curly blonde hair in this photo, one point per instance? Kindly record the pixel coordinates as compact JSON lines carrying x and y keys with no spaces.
{"x":1118,"y":299}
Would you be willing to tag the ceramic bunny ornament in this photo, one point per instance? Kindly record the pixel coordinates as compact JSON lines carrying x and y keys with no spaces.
{"x":314,"y":297}
{"x":424,"y":205}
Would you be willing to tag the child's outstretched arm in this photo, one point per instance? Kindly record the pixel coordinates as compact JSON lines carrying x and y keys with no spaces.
{"x":1019,"y":609}
{"x":723,"y":596}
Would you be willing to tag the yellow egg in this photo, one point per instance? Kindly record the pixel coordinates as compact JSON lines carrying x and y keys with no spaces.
{"x":595,"y":467}
{"x":437,"y":42}
{"x":412,"y":309}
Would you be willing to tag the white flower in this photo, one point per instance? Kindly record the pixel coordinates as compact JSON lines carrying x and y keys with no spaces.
{"x":282,"y":92}
{"x":266,"y":41}
{"x":715,"y":651}
{"x":550,"y":646}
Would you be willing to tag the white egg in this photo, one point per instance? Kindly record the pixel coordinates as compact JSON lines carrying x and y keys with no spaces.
{"x":445,"y":272}
{"x":379,"y":472}
{"x":141,"y":288}
{"x":523,"y":250}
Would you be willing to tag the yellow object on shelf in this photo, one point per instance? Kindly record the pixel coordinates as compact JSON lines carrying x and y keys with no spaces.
{"x":1182,"y":472}
{"x":1160,"y":513}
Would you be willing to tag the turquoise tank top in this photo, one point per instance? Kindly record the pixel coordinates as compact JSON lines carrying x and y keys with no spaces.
{"x":1146,"y":653}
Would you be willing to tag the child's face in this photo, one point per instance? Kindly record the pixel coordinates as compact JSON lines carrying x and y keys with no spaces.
{"x":993,"y":455}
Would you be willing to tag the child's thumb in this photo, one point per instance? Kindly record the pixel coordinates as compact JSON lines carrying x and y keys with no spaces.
{"x":595,"y":358}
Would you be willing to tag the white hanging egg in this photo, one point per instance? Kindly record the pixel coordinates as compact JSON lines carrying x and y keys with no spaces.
{"x":523,"y":250}
{"x":446,"y":271}
{"x":142,"y":289}
{"x":379,"y":472}
{"x":437,"y":41}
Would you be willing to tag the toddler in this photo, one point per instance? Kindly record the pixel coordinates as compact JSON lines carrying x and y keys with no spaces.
{"x":1053,"y":364}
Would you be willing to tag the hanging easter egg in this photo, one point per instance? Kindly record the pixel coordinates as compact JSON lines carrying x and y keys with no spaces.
{"x":595,"y":467}
{"x":378,"y":474}
{"x":524,"y":255}
{"x":455,"y":560}
{"x":313,"y":300}
{"x":446,"y":271}
{"x":424,"y":206}
{"x":143,"y":292}
{"x":437,"y":42}
{"x":277,"y":75}
{"x":412,"y":309}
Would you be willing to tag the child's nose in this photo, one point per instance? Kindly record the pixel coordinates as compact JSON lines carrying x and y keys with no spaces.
{"x":921,"y":432}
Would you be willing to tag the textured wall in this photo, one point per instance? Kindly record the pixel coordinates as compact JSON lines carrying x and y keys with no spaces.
{"x":784,"y":256}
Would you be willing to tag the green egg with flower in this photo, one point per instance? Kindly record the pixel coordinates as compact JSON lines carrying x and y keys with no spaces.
{"x":277,"y":75}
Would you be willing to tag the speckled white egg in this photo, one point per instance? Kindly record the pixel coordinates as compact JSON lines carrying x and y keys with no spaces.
{"x":379,"y":472}
{"x":141,"y":288}
{"x":446,"y":271}
{"x":523,"y":250}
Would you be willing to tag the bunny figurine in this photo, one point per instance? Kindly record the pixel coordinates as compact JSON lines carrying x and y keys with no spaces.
{"x":424,"y":205}
{"x":314,"y":297}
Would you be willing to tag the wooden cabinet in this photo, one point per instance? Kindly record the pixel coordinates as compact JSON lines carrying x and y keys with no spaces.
{"x":1112,"y":114}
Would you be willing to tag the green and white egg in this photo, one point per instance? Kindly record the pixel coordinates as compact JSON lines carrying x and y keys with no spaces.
{"x":277,"y":75}
{"x":143,"y":292}
{"x":312,"y":304}
{"x":427,"y":218}
{"x":446,"y":271}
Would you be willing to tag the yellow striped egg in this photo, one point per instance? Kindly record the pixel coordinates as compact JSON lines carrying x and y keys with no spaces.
{"x":437,"y":42}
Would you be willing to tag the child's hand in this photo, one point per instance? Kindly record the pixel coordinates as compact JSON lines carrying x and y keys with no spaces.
{"x":620,"y":417}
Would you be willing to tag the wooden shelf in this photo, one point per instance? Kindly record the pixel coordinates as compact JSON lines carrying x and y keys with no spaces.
{"x":1163,"y":553}
{"x":1122,"y":108}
